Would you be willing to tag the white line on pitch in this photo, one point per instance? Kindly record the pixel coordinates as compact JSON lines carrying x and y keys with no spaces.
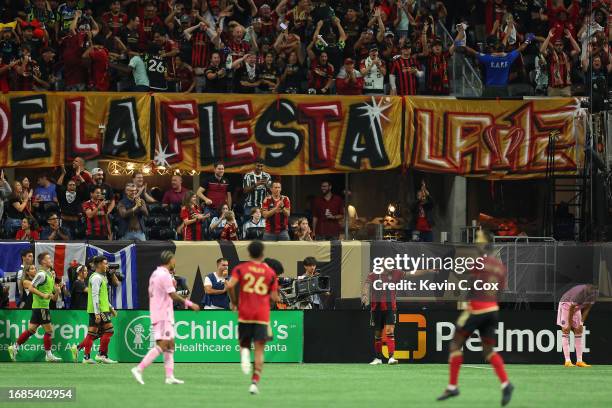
{"x":481,"y":368}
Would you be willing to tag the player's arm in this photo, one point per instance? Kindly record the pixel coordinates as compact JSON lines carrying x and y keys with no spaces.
{"x":188,"y":303}
{"x":96,"y":284}
{"x":208,"y":289}
{"x":585,"y":312}
{"x":275,"y":297}
{"x":231,"y":290}
{"x":365,"y":289}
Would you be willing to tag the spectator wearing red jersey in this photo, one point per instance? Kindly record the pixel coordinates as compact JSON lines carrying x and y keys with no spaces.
{"x":24,"y":70}
{"x":183,"y":78}
{"x":321,"y":74}
{"x":230,"y":229}
{"x":75,"y":72}
{"x":349,"y":81}
{"x":405,"y":71}
{"x":149,"y":22}
{"x":327,"y":211}
{"x":96,"y":213}
{"x":114,"y":20}
{"x":28,"y":230}
{"x":195,"y":220}
{"x":5,"y":70}
{"x":202,"y":37}
{"x":98,"y":55}
{"x":437,"y":61}
{"x":559,"y":63}
{"x":276,"y":209}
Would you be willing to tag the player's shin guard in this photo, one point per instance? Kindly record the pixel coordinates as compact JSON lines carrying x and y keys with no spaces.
{"x":47,"y":341}
{"x":378,"y":347}
{"x":565,"y":343}
{"x":454,"y":363}
{"x":23,"y":337}
{"x":169,"y":363}
{"x":104,"y":340}
{"x":498,"y":364}
{"x":391,"y":344}
{"x":150,"y":357}
{"x":578,"y":345}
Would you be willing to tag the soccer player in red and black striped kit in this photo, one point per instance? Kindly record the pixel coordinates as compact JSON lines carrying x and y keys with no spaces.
{"x":383,"y":308}
{"x":276,"y":209}
{"x":482,"y":315}
{"x":405,"y":71}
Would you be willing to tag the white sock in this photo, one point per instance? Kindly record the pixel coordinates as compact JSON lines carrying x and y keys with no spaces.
{"x":504,"y":385}
{"x":451,"y":387}
{"x":49,"y":353}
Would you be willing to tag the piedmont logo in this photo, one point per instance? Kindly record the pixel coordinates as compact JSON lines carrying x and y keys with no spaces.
{"x":138,"y":336}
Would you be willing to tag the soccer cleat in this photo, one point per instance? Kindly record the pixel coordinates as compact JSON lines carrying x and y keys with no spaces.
{"x":172,"y":380}
{"x":392,"y":361}
{"x":50,"y":358}
{"x":12,"y":350}
{"x":104,"y":359}
{"x":245,"y":360}
{"x":568,"y":364}
{"x":448,"y":394}
{"x":582,"y":364}
{"x":88,"y":361}
{"x":507,"y":394}
{"x":137,"y":374}
{"x":253,"y":389}
{"x":376,"y":361}
{"x":75,"y":353}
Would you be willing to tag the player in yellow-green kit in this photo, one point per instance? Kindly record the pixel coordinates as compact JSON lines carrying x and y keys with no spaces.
{"x":44,"y":290}
{"x":100,"y":314}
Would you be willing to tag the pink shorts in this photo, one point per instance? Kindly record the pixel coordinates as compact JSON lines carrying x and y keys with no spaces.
{"x":563,"y":315}
{"x":163,"y":330}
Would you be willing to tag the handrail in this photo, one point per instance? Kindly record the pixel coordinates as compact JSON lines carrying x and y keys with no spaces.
{"x":471,"y":78}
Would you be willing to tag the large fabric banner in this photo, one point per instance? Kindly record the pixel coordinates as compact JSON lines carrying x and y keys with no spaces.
{"x":203,"y":337}
{"x":293,"y":134}
{"x":48,"y":129}
{"x":504,"y":139}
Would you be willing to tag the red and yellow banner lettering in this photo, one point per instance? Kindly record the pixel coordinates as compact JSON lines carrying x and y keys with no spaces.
{"x":507,"y":139}
{"x":47,"y":129}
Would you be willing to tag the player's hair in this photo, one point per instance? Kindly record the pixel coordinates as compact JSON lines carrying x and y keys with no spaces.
{"x":275,"y":265}
{"x":309,"y":260}
{"x":25,"y":252}
{"x":255,"y":249}
{"x":41,"y":256}
{"x":97,"y":260}
{"x":221,"y":260}
{"x":166,"y":257}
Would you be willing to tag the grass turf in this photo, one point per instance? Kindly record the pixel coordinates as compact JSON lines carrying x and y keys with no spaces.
{"x":312,"y":385}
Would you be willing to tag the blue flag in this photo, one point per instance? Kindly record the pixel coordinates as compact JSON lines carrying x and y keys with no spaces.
{"x":125,"y":296}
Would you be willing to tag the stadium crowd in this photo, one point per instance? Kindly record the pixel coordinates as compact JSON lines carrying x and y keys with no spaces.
{"x":75,"y":203}
{"x":405,"y":47}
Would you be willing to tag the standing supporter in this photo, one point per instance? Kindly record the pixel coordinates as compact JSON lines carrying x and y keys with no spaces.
{"x":276,"y":209}
{"x":132,"y":210}
{"x":215,"y":189}
{"x":99,"y":57}
{"x":114,"y":20}
{"x":373,"y":70}
{"x":216,"y":75}
{"x":255,"y":186}
{"x":195,"y":219}
{"x":199,"y":39}
{"x":327,"y":212}
{"x":96,"y":213}
{"x":177,"y":192}
{"x":559,"y":63}
{"x":405,"y":71}
{"x":349,"y":81}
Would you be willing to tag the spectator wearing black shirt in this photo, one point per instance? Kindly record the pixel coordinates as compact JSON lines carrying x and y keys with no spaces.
{"x":9,"y":48}
{"x":293,"y":75}
{"x":216,"y":75}
{"x":78,"y":290}
{"x":54,"y":231}
{"x":129,"y":36}
{"x":268,"y":75}
{"x":71,"y":200}
{"x":45,"y":78}
{"x":246,"y":79}
{"x":215,"y":190}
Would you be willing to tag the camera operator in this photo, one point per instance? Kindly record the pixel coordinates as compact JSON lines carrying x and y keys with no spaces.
{"x":27,"y":259}
{"x":310,"y":271}
{"x":78,"y":289}
{"x":180,"y":284}
{"x":215,"y":292}
{"x":27,"y":276}
{"x":278,"y":268}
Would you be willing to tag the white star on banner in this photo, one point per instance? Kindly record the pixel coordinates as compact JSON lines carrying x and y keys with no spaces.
{"x":161,"y":157}
{"x":375,"y":112}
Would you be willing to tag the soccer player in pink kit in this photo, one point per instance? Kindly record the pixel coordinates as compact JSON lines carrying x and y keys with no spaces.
{"x":162,"y":293}
{"x":573,"y":310}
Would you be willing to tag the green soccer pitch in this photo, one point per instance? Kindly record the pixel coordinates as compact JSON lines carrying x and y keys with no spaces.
{"x":312,"y":385}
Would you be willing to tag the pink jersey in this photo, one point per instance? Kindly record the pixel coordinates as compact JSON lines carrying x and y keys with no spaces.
{"x":160,"y":302}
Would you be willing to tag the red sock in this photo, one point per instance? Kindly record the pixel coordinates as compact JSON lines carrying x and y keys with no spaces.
{"x":87,"y":344}
{"x":378,"y":347}
{"x":104,"y":343}
{"x":23,"y":337}
{"x":498,"y":364}
{"x":391,"y":345}
{"x":455,"y":364}
{"x":47,"y":341}
{"x":255,"y":377}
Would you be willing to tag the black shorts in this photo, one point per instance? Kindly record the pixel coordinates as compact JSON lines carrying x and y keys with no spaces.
{"x":254,"y":332}
{"x":105,"y":317}
{"x":380,"y":318}
{"x":40,"y":316}
{"x":485,"y":323}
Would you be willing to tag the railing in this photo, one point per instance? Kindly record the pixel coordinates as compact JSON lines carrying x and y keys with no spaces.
{"x":466,"y":79}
